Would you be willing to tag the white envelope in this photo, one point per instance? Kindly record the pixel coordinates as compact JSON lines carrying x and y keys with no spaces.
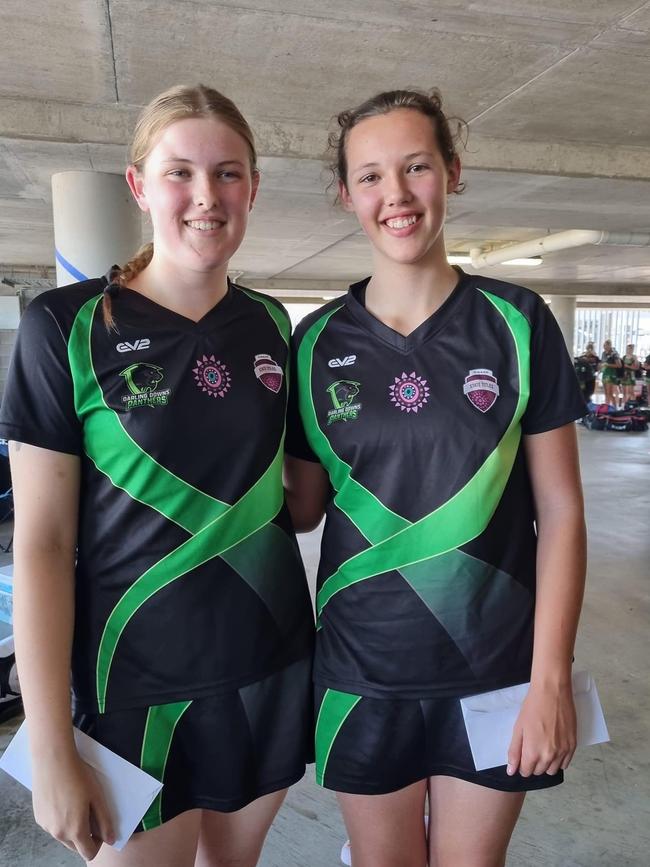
{"x":129,"y":791}
{"x":490,"y":719}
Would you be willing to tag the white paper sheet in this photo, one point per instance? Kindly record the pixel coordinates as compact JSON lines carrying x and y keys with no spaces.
{"x":490,"y":719}
{"x":128,"y":790}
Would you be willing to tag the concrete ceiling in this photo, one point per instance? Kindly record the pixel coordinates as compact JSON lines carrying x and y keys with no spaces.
{"x":557,"y":96}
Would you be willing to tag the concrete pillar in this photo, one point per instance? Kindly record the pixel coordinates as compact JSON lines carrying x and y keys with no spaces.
{"x":563,"y":307}
{"x":96,"y":224}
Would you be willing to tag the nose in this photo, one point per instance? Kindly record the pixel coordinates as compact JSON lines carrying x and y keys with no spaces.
{"x":397,"y":190}
{"x":205,"y":193}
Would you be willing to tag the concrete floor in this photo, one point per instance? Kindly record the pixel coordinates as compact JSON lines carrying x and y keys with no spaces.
{"x":601,"y":816}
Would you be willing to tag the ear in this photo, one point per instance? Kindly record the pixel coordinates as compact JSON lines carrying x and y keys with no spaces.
{"x":254,"y":188}
{"x":344,"y":196}
{"x":453,"y":175}
{"x":135,"y":180}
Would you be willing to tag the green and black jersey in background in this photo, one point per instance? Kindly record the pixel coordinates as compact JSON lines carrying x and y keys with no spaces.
{"x":189,"y":581}
{"x":426,"y":584}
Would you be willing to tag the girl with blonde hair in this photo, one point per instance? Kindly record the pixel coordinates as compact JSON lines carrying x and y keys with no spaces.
{"x":154,"y":555}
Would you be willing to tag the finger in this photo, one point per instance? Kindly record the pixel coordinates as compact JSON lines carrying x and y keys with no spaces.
{"x":514,"y":751}
{"x":87,"y":846}
{"x":101,"y":822}
{"x":555,"y":766}
{"x":68,"y":844}
{"x":541,"y":766}
{"x":528,"y":763}
{"x":566,"y":761}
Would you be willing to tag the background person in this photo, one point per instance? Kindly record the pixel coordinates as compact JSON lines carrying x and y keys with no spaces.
{"x":186,"y":618}
{"x":610,"y":366}
{"x":586,"y":366}
{"x":630,"y":365}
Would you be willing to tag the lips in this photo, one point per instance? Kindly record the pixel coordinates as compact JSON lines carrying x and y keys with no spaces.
{"x":402,"y":225}
{"x":204,"y":225}
{"x":402,"y":222}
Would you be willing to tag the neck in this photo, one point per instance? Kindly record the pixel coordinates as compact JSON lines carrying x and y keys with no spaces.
{"x":190,"y":293}
{"x":404,"y":296}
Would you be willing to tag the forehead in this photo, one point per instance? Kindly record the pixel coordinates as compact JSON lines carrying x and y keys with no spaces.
{"x":402,"y":131}
{"x":197,"y":139}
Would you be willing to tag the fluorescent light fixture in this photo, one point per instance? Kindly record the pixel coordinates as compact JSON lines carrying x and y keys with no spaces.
{"x":532,"y":262}
{"x":465,"y":259}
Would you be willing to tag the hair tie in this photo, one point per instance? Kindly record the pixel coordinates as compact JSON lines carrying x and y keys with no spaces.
{"x":112,"y":290}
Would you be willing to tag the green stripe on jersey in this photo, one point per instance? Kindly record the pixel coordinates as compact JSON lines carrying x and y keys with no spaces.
{"x":116,"y":454}
{"x":371,"y":517}
{"x":239,"y":533}
{"x":335,"y":708}
{"x":459,"y":520}
{"x":159,"y":731}
{"x":280,"y":318}
{"x":259,"y":505}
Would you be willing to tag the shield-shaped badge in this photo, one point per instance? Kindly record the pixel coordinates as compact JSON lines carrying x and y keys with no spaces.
{"x":481,"y":388}
{"x":268,"y":372}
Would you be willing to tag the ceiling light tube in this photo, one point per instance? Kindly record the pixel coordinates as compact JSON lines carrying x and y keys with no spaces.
{"x":466,"y":259}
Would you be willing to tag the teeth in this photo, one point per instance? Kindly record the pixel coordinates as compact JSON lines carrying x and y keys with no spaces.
{"x":402,"y":222}
{"x":204,"y":225}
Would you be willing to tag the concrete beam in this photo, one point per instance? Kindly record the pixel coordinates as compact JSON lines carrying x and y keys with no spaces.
{"x":66,"y":121}
{"x":557,"y":158}
{"x":112,"y":124}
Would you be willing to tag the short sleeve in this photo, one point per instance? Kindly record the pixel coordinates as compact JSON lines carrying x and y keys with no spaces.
{"x":555,"y":395}
{"x":296,"y":443}
{"x":38,"y":402}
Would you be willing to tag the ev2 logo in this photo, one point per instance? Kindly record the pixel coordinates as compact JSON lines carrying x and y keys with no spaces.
{"x":141,"y":343}
{"x":342,"y":362}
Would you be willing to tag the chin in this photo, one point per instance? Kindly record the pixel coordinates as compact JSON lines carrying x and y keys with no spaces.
{"x":407,"y":257}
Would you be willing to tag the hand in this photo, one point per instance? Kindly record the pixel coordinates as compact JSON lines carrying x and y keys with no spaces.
{"x":69,"y":804}
{"x":544,"y":736}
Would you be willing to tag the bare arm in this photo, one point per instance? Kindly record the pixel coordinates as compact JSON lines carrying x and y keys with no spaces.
{"x":46,"y":488}
{"x":46,"y":499}
{"x":544,"y":738}
{"x":307,"y":489}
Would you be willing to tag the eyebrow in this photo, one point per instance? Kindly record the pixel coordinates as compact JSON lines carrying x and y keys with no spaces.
{"x":185,"y":160}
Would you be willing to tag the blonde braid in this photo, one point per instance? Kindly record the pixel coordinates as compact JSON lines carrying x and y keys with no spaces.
{"x":135,"y":265}
{"x":121,"y":278}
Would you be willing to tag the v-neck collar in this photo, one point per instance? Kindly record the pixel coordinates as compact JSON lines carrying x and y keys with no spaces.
{"x":142,"y":305}
{"x":355,"y":301}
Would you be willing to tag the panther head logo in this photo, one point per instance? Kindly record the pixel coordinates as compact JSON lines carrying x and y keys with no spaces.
{"x":142,"y":378}
{"x":343,"y":392}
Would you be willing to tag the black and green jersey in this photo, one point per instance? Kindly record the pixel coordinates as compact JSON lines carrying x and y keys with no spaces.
{"x":426,"y":583}
{"x":188,"y":580}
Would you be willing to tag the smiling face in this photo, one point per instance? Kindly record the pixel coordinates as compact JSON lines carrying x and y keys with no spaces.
{"x":397,"y":184}
{"x":198,"y":188}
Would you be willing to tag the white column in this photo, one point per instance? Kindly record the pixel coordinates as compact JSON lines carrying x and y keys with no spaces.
{"x":563,"y":307}
{"x":96,"y":224}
